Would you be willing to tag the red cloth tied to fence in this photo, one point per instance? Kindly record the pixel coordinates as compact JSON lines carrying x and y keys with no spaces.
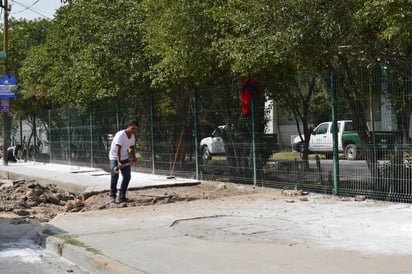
{"x":250,"y":88}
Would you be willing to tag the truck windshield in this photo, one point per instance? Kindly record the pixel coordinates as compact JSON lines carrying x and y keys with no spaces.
{"x":322,"y":129}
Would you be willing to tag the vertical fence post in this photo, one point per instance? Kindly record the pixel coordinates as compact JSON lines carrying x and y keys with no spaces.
{"x":196,"y":120}
{"x":91,"y":137}
{"x":69,"y":136}
{"x":5,"y":142}
{"x":152,"y":133}
{"x":21,"y":130}
{"x":34,"y":136}
{"x":50,"y":137}
{"x":117,"y":116}
{"x":334,"y":135}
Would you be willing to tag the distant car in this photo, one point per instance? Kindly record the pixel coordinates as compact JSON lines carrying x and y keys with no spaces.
{"x":212,"y":145}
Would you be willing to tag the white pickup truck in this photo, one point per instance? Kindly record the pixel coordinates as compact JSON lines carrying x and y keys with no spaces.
{"x":213,"y":144}
{"x":321,"y":140}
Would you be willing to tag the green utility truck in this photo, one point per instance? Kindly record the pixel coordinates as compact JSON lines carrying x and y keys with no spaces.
{"x":349,"y":141}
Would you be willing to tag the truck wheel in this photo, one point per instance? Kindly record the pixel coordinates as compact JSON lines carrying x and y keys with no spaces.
{"x":350,"y":152}
{"x":303,"y":153}
{"x":206,"y":153}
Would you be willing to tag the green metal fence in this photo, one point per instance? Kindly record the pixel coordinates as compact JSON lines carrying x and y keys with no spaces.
{"x":378,"y":101}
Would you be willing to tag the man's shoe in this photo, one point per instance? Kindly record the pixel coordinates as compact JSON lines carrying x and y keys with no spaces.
{"x":125,"y":200}
{"x":113,"y":199}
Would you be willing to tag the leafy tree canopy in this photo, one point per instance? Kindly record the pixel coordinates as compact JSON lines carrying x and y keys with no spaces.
{"x":93,"y":51}
{"x":104,"y":49}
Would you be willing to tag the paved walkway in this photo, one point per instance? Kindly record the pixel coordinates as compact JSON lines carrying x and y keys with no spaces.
{"x":322,"y":236}
{"x":82,"y":179}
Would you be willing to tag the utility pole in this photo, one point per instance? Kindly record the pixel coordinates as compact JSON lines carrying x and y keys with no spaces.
{"x":6,"y":8}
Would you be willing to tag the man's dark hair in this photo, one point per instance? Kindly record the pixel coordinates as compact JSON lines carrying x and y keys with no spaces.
{"x":133,"y":122}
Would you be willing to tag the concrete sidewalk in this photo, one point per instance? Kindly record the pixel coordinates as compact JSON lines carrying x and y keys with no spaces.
{"x":322,"y":236}
{"x":81,"y":179}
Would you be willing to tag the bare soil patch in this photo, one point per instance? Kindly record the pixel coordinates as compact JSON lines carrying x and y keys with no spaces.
{"x":32,"y":200}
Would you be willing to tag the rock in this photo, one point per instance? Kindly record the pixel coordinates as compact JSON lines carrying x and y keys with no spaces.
{"x":74,"y":206}
{"x":221,"y":186}
{"x":32,"y":185}
{"x":53,"y":199}
{"x":43,"y":198}
{"x":18,"y":181}
{"x":304,"y":199}
{"x":242,"y":188}
{"x":295,"y":192}
{"x":32,"y":203}
{"x":21,"y":212}
{"x":359,"y":198}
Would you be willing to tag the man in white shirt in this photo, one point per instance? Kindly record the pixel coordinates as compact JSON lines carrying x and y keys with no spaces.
{"x":12,"y":153}
{"x":122,"y":151}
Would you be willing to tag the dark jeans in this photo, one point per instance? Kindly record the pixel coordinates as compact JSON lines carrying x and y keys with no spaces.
{"x":11,"y":159}
{"x":115,"y":177}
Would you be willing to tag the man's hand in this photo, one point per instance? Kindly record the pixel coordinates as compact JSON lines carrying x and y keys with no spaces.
{"x":133,"y":156}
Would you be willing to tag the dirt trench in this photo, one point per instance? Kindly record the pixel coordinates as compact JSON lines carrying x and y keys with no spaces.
{"x":33,"y":200}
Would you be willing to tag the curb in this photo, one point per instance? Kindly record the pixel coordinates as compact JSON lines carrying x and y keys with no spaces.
{"x":87,"y":260}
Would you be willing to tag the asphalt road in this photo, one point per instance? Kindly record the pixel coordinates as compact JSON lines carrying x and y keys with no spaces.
{"x":20,"y":252}
{"x":346,"y":167}
{"x":25,"y":258}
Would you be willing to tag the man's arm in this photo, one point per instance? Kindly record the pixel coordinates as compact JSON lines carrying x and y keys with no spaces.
{"x":15,"y":152}
{"x":132,"y":153}
{"x":118,"y":148}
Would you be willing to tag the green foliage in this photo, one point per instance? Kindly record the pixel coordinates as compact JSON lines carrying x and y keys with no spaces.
{"x":94,"y":52}
{"x":178,"y":42}
{"x":104,"y":49}
{"x":24,"y":36}
{"x":388,"y":26}
{"x":98,"y":49}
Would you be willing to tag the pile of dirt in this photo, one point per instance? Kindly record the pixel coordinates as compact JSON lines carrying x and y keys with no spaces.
{"x":29,"y":199}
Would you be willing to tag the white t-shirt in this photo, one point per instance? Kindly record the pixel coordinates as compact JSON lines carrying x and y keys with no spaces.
{"x":125,"y":142}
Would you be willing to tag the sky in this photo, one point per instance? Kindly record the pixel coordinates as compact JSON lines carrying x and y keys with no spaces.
{"x":33,"y":9}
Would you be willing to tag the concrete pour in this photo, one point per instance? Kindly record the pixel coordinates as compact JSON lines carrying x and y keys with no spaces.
{"x":323,"y":235}
{"x":367,"y":227}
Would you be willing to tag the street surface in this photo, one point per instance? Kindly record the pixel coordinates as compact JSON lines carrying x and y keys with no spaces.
{"x":224,"y":228}
{"x":26,"y":257}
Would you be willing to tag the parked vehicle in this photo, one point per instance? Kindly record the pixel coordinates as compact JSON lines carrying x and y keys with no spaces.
{"x":214,"y":145}
{"x":349,"y":142}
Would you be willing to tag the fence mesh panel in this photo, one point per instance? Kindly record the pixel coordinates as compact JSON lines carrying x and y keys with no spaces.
{"x":203,"y":133}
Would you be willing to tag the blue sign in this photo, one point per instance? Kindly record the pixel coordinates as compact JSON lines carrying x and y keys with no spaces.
{"x":4,"y":105}
{"x":6,"y":85}
{"x":6,"y":80}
